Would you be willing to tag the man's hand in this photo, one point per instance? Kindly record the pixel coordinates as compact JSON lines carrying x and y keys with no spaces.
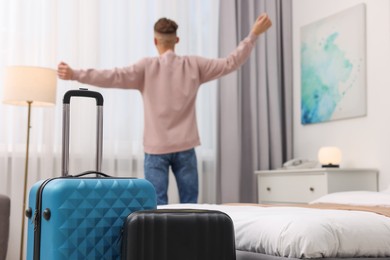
{"x":64,"y":71}
{"x":261,"y":25}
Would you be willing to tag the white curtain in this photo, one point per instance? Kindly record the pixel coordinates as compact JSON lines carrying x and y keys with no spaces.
{"x":98,"y":34}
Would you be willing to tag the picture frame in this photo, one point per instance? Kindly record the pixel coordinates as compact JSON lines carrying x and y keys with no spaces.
{"x":333,"y":67}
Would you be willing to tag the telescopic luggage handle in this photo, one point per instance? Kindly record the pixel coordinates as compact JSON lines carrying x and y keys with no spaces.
{"x":83,"y":92}
{"x":66,"y":122}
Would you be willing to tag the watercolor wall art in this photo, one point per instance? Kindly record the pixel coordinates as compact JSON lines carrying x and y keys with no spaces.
{"x":333,"y":67}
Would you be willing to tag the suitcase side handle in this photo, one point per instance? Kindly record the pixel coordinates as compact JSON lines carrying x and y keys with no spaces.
{"x":66,"y":122}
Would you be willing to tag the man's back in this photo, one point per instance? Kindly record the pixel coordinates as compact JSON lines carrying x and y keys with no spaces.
{"x":169,"y":92}
{"x":169,"y":84}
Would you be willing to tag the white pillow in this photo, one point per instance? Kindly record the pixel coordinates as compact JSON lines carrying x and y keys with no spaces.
{"x":358,"y":198}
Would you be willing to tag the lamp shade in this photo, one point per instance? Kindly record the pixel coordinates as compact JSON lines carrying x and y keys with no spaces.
{"x":33,"y":84}
{"x":329,"y":156}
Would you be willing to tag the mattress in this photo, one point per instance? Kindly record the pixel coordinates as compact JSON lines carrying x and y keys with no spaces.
{"x":244,"y":255}
{"x":306,"y":232}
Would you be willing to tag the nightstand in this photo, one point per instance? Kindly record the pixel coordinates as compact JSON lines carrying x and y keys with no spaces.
{"x":305,"y":185}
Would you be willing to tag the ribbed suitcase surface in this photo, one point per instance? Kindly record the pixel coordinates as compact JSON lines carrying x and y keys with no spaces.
{"x":82,"y":218}
{"x":177,"y":234}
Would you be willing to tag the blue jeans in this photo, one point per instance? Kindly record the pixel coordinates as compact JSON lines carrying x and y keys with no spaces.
{"x":184,"y":167}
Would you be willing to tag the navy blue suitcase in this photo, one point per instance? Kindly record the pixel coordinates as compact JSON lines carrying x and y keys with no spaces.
{"x":177,"y":234}
{"x":81,"y":217}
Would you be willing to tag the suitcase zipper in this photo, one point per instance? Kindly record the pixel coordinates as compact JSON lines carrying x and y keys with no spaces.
{"x":37,"y":220}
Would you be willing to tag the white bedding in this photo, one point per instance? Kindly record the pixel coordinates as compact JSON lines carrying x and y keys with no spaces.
{"x":305,"y":232}
{"x":358,"y":198}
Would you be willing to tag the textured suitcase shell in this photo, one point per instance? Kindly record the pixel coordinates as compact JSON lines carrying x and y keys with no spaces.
{"x":177,"y":234}
{"x":86,"y":216}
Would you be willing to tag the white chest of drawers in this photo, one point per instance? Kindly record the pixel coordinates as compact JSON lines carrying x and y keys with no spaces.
{"x":305,"y":185}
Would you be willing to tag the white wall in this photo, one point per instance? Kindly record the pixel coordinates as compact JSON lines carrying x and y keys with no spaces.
{"x":364,"y":141}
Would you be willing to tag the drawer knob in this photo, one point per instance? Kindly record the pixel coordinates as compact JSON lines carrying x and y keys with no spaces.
{"x":311,"y":189}
{"x":268,"y":189}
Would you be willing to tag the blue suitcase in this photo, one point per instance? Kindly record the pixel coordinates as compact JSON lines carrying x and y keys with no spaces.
{"x":81,"y":216}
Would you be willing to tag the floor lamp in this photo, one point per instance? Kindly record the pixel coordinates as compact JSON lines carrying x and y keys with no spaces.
{"x":28,"y":86}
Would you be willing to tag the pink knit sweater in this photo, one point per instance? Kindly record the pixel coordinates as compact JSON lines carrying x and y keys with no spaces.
{"x":169,"y":85}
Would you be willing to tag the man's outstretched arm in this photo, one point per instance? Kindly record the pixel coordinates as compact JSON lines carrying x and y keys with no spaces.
{"x":128,"y":77}
{"x":214,"y":68}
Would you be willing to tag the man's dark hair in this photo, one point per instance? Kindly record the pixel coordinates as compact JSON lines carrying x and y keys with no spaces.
{"x":165,"y":26}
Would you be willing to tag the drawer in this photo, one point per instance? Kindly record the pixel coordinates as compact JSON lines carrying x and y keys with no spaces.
{"x":291,"y":189}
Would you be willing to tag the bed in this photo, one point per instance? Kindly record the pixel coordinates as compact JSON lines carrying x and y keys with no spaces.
{"x":338,"y":225}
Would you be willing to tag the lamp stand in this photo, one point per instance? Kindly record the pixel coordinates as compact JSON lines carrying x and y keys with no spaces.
{"x":25,"y":179}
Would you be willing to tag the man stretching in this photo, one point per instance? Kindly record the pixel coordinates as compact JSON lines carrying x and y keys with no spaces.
{"x":169,"y":85}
